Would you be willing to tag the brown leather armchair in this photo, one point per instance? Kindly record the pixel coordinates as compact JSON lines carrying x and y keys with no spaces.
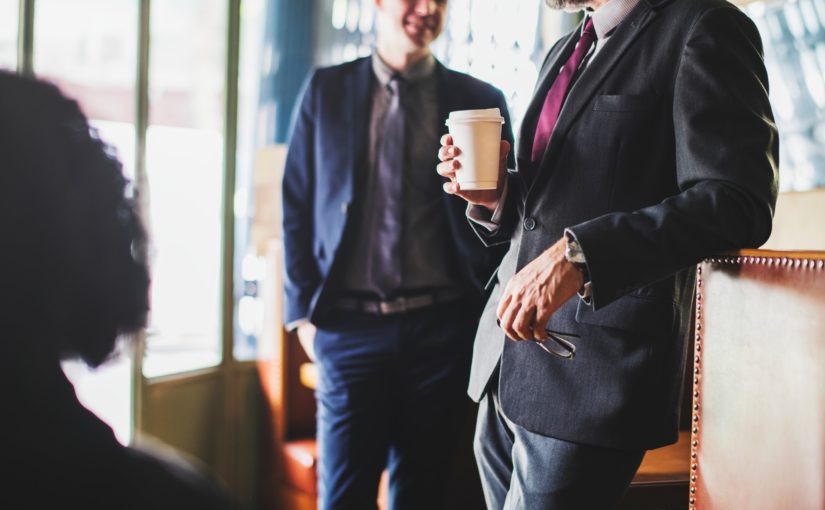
{"x":758,"y":420}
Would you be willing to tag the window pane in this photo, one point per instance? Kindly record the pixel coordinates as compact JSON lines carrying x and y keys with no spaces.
{"x":8,"y":33}
{"x":277,"y":40}
{"x":184,"y":164}
{"x":88,"y":48}
{"x":794,"y":37}
{"x":251,"y":234}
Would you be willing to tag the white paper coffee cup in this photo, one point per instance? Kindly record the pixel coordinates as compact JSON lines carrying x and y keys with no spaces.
{"x":477,"y":134}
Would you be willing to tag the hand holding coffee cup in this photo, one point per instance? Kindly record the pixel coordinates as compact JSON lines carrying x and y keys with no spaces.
{"x":474,"y":157}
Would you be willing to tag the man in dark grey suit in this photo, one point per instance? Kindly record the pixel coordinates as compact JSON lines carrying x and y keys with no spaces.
{"x":649,"y":145}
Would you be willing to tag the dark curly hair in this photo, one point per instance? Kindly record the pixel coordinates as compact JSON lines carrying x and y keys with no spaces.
{"x":72,"y":274}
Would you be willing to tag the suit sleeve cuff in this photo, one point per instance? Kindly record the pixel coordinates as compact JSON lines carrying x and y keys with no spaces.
{"x":482,"y":216}
{"x":297,"y":323}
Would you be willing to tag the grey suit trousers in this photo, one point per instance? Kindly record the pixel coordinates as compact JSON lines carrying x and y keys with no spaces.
{"x":527,"y":471}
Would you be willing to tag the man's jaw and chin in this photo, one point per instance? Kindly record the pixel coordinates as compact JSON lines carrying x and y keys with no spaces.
{"x":569,"y":5}
{"x":420,"y":33}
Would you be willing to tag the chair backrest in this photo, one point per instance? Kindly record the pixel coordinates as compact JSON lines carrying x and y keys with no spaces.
{"x":759,"y":382}
{"x":289,"y":411}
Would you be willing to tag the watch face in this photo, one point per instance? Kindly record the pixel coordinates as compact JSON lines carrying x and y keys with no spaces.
{"x":574,"y":253}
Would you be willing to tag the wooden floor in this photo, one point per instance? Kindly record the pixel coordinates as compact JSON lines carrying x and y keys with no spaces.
{"x":662,"y":481}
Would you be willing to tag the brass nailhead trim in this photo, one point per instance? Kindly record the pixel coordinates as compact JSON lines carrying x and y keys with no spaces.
{"x":694,"y":445}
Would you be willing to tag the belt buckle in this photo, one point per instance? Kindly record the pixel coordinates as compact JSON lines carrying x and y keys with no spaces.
{"x":398,"y":304}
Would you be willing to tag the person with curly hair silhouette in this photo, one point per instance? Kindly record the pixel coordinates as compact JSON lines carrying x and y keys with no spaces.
{"x":72,"y":281}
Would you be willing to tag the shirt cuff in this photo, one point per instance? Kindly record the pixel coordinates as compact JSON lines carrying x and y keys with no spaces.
{"x":585,"y":293}
{"x":481,"y":215}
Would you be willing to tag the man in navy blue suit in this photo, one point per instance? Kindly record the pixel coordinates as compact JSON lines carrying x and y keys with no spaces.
{"x":384,"y":274}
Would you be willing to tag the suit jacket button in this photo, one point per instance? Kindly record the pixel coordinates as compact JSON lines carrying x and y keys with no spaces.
{"x":529,"y":223}
{"x":344,"y":207}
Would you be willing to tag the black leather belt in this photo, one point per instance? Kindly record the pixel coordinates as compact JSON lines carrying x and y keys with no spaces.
{"x":397,"y":305}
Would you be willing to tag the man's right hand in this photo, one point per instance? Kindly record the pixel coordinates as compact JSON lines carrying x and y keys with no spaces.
{"x":487,"y":198}
{"x":306,"y":335}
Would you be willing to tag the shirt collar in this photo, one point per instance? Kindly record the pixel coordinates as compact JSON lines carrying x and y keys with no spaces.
{"x":421,"y":70}
{"x":607,"y":17}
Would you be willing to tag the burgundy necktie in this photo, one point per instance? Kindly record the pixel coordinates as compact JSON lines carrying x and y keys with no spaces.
{"x":555,"y":97}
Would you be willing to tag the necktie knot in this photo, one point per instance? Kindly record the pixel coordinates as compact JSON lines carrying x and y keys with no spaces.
{"x":589,"y":31}
{"x":395,"y":85}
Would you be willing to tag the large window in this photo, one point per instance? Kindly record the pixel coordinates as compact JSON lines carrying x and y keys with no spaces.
{"x":255,"y":216}
{"x":89,"y":49}
{"x":184,"y":169}
{"x":8,"y":33}
{"x":794,"y":39}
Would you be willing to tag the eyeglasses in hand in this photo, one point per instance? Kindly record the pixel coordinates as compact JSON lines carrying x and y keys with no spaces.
{"x":559,"y":344}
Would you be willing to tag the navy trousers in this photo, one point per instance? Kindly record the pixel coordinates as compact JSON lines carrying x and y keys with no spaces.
{"x":527,"y":471}
{"x":391,"y":394}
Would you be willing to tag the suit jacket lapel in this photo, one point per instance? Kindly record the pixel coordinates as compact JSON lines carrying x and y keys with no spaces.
{"x":552,"y":65}
{"x":446,"y":103}
{"x":445,"y":99}
{"x":587,"y":85}
{"x":357,"y":132}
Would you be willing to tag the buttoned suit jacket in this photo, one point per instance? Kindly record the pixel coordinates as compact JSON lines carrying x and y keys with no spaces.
{"x":665,"y":152}
{"x":325,"y":164}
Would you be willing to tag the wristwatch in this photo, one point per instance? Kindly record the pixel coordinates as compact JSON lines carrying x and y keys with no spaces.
{"x":574,"y":254}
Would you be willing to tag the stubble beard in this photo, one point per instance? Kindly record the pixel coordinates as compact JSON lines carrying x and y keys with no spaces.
{"x":567,"y":4}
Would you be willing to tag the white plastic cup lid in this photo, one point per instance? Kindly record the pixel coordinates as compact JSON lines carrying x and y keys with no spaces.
{"x":484,"y":115}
